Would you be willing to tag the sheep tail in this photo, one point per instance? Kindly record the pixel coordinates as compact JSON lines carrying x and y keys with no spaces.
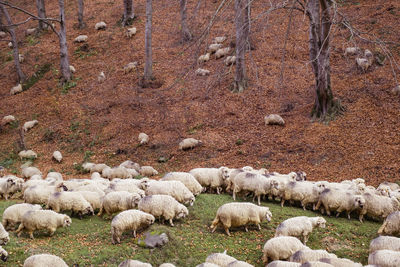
{"x":214,"y":223}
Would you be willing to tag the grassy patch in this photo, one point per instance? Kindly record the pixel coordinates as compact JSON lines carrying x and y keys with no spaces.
{"x":88,"y":241}
{"x":36,"y":76}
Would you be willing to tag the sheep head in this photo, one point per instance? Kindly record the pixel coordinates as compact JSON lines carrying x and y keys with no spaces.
{"x":67,"y":221}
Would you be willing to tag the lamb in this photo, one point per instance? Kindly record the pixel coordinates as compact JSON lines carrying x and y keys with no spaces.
{"x":240,"y":214}
{"x":100,"y":25}
{"x":101,"y":78}
{"x":189,"y":143}
{"x":220,"y":259}
{"x":239,"y":264}
{"x":44,"y":260}
{"x":130,"y":32}
{"x":339,"y":262}
{"x":175,"y":189}
{"x":7,"y":120}
{"x":81,"y":39}
{"x":13,"y":214}
{"x":73,"y":201}
{"x":219,"y":39}
{"x":16,"y":89}
{"x":211,"y":177}
{"x":384,"y":258}
{"x":29,"y":125}
{"x":281,"y":248}
{"x":230,"y":60}
{"x":129,"y":220}
{"x":42,"y":219}
{"x":391,"y":225}
{"x":143,"y":138}
{"x":57,"y":156}
{"x":339,"y":200}
{"x":118,"y":201}
{"x":204,"y":58}
{"x":214,"y":47}
{"x":352,"y":51}
{"x":119,"y":172}
{"x":378,"y":206}
{"x":3,"y":254}
{"x":72,"y":69}
{"x":385,"y":242}
{"x":283,"y":264}
{"x":30,"y":171}
{"x":163,"y":206}
{"x":299,"y":226}
{"x":305,"y":255}
{"x":222,"y":52}
{"x":4,"y":236}
{"x":39,"y":194}
{"x":27,"y":154}
{"x":148,"y":171}
{"x":130,"y":67}
{"x":274,"y":119}
{"x":187,"y":179}
{"x":134,"y":263}
{"x":202,"y":72}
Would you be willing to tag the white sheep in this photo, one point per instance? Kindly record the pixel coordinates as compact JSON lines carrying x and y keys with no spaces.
{"x":307,"y":254}
{"x":129,"y":164}
{"x":44,"y":260}
{"x":391,"y":225}
{"x":101,"y":78}
{"x":94,"y":198}
{"x":175,"y":189}
{"x":240,"y":214}
{"x":187,"y":179}
{"x":220,"y":259}
{"x":88,"y":166}
{"x":143,"y":138}
{"x":378,"y":206}
{"x":274,"y":119}
{"x":42,"y":219}
{"x":148,"y":171}
{"x":30,"y":31}
{"x":385,"y":242}
{"x":4,"y":236}
{"x":207,"y":264}
{"x":189,"y":143}
{"x":21,"y":58}
{"x":202,"y":72}
{"x":281,"y":248}
{"x":167,"y":265}
{"x":30,"y":154}
{"x":29,"y":125}
{"x":72,"y":69}
{"x":81,"y":39}
{"x":39,"y":194}
{"x":130,"y":67}
{"x":142,"y":184}
{"x":100,"y":25}
{"x":392,"y":186}
{"x":305,"y":192}
{"x":7,"y":119}
{"x":57,"y":156}
{"x":134,"y":263}
{"x":28,"y":172}
{"x":163,"y":206}
{"x":128,"y":186}
{"x":212,"y":48}
{"x":130,"y":32}
{"x":250,"y":182}
{"x":340,"y":262}
{"x":129,"y":220}
{"x":363,"y":63}
{"x":230,"y":60}
{"x":219,"y":39}
{"x":12,"y":215}
{"x":213,"y":178}
{"x":384,"y":258}
{"x":283,"y":264}
{"x":352,"y":51}
{"x":70,"y":201}
{"x":300,"y":226}
{"x":222,"y":52}
{"x":239,"y":264}
{"x":9,"y":185}
{"x":316,"y":264}
{"x":3,"y":254}
{"x":16,"y":89}
{"x":54,"y":176}
{"x":2,"y":34}
{"x":204,"y":58}
{"x":118,"y":172}
{"x":118,"y":201}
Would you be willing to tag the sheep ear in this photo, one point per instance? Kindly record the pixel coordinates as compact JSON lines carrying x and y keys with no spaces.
{"x":224,"y":252}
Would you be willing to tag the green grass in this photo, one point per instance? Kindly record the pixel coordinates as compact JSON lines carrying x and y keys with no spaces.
{"x":88,"y":241}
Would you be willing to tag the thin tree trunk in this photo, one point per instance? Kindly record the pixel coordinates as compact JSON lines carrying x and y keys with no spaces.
{"x":186,"y":35}
{"x":247,"y":17}
{"x":240,"y":74}
{"x":41,"y":14}
{"x":148,"y":68}
{"x":10,"y":30}
{"x":81,"y":23}
{"x":129,"y":13}
{"x":62,"y":35}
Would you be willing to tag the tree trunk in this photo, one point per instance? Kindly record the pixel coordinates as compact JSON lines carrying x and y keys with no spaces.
{"x":81,"y":23}
{"x":41,"y":14}
{"x":240,"y":74}
{"x":10,"y":30}
{"x":128,"y":12}
{"x":148,"y":68}
{"x":62,"y":35}
{"x":247,"y":17}
{"x":186,"y":35}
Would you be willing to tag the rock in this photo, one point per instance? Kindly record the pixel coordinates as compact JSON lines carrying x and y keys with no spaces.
{"x":274,"y":119}
{"x":153,"y":240}
{"x":396,"y":90}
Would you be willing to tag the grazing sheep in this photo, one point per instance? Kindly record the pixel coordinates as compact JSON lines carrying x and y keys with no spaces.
{"x":28,"y":172}
{"x":385,"y":242}
{"x":211,"y":177}
{"x":392,"y":186}
{"x":363,"y":63}
{"x":339,"y":262}
{"x":384,"y":258}
{"x":4,"y":236}
{"x":378,"y":206}
{"x":7,"y":119}
{"x":9,"y":185}
{"x":129,"y":220}
{"x":81,"y":39}
{"x":44,"y":260}
{"x":129,"y":164}
{"x":240,"y":214}
{"x":128,"y":186}
{"x":29,"y":125}
{"x":42,"y":219}
{"x":2,"y":34}
{"x":88,"y":166}
{"x":163,"y":206}
{"x":220,"y":259}
{"x":281,"y":248}
{"x":207,"y":264}
{"x":134,"y":263}
{"x":143,"y":138}
{"x":214,"y":47}
{"x":118,"y":201}
{"x":250,"y":182}
{"x":70,"y":201}
{"x":204,"y":58}
{"x":239,"y":264}
{"x":175,"y":189}
{"x":305,"y":192}
{"x":12,"y":215}
{"x":96,"y":167}
{"x":72,"y":69}
{"x":30,"y":154}
{"x":189,"y":143}
{"x":315,"y":264}
{"x":100,"y":25}
{"x":299,"y":226}
{"x":3,"y":254}
{"x":141,"y":184}
{"x":39,"y":194}
{"x":101,"y":78}
{"x":219,"y":39}
{"x":118,"y":172}
{"x":274,"y":119}
{"x":391,"y":225}
{"x":130,"y":32}
{"x":202,"y":72}
{"x":283,"y":264}
{"x":352,"y":51}
{"x":230,"y":60}
{"x":148,"y":171}
{"x":57,"y":156}
{"x":187,"y":179}
{"x":130,"y":67}
{"x":222,"y":52}
{"x":307,"y":254}
{"x":16,"y":89}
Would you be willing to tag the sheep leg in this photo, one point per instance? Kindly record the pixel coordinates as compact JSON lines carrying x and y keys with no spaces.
{"x":282,"y":202}
{"x":259,"y":226}
{"x":337,"y":213}
{"x":31,"y":234}
{"x":259,"y":202}
{"x":227,"y":230}
{"x":134,"y":233}
{"x":218,"y":190}
{"x":100,"y":212}
{"x":170,"y":222}
{"x":348,"y":215}
{"x":361,"y":218}
{"x":234,"y":194}
{"x":52,"y":231}
{"x":245,"y":228}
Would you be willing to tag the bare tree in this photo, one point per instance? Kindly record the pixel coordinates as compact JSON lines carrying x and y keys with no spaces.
{"x":186,"y":35}
{"x":62,"y":35}
{"x":10,"y":29}
{"x":81,"y":23}
{"x":240,"y":82}
{"x":148,"y":68}
{"x":129,"y":13}
{"x":41,"y":9}
{"x":247,"y":19}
